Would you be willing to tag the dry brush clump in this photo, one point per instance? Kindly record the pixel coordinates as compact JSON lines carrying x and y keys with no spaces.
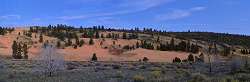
{"x":50,"y":60}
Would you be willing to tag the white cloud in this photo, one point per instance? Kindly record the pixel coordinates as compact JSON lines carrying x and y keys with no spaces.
{"x":36,"y":19}
{"x":124,"y":6}
{"x":178,"y":14}
{"x":10,"y":17}
{"x":200,"y":8}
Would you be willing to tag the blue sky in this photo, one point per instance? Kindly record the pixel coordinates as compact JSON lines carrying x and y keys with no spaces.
{"x":230,"y":16}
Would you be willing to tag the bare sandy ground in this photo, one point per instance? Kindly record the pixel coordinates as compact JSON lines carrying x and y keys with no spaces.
{"x":85,"y":52}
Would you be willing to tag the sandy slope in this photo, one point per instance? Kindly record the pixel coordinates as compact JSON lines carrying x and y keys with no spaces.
{"x":85,"y":53}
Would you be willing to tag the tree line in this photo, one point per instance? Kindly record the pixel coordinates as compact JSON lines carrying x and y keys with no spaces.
{"x":4,"y":30}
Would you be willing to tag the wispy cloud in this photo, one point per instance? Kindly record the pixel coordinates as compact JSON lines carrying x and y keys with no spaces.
{"x":178,"y":13}
{"x":124,"y":6}
{"x":36,"y":19}
{"x":10,"y":17}
{"x":74,"y":17}
{"x":142,"y":5}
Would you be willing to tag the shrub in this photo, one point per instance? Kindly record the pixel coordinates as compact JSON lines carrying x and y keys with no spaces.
{"x":138,"y":78}
{"x":75,"y":46}
{"x":116,"y":66}
{"x":176,"y":60}
{"x":229,"y":79}
{"x":145,"y":59}
{"x":198,"y":78}
{"x":156,"y":74}
{"x":242,"y":77}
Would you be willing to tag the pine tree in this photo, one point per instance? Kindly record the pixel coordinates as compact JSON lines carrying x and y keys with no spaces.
{"x":172,"y":44}
{"x":14,"y":49}
{"x":109,"y":35}
{"x":202,"y":57}
{"x":191,"y":58}
{"x":19,"y":51}
{"x":77,"y":42}
{"x":69,"y":43}
{"x":81,"y":43}
{"x":97,"y":35}
{"x":91,"y":41}
{"x":94,"y":57}
{"x":85,"y":35}
{"x":177,"y":60}
{"x":124,"y":35}
{"x":25,"y":51}
{"x":41,"y":38}
{"x":75,"y":46}
{"x":102,"y":36}
{"x":58,"y":45}
{"x":158,"y":39}
{"x":137,"y":44}
{"x":226,"y":51}
{"x":101,"y":43}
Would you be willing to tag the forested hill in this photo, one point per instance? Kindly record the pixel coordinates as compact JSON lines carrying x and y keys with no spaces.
{"x":231,"y":39}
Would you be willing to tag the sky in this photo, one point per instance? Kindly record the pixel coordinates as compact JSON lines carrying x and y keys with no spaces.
{"x":227,"y":16}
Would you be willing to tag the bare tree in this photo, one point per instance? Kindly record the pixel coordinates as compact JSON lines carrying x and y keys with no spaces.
{"x":51,"y":61}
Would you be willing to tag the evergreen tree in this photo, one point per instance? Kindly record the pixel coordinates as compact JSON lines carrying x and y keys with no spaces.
{"x":19,"y":51}
{"x":58,"y":45}
{"x":101,"y":43}
{"x":81,"y":43}
{"x":102,"y":36}
{"x":97,"y":35}
{"x":85,"y":35}
{"x":75,"y":46}
{"x":25,"y":51}
{"x":202,"y":57}
{"x":94,"y":57}
{"x":14,"y":49}
{"x":41,"y":38}
{"x":226,"y":51}
{"x":91,"y":41}
{"x":191,"y":58}
{"x":194,"y":48}
{"x":158,"y":39}
{"x":137,"y":44}
{"x":182,"y":46}
{"x":69,"y":43}
{"x":172,"y":44}
{"x":177,"y":60}
{"x":77,"y":42}
{"x":124,"y":35}
{"x":109,"y":35}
